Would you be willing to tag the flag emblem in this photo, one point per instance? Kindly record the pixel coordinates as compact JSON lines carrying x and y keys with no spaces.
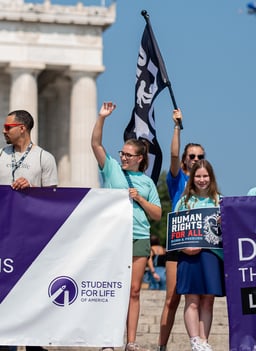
{"x":151,"y":79}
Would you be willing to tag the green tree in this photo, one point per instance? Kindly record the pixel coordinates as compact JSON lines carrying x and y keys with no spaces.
{"x":160,"y":228}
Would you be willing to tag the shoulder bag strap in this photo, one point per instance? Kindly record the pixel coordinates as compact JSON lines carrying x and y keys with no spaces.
{"x":129,"y":181}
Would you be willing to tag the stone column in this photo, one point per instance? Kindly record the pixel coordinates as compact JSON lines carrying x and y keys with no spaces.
{"x":54,"y":117}
{"x":24,"y":92}
{"x":83,"y":112}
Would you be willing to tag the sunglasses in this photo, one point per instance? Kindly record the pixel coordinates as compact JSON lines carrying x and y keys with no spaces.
{"x":126,"y":155}
{"x":8,"y":126}
{"x":193,"y":156}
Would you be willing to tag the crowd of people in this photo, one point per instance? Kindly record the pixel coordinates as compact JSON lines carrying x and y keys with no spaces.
{"x":191,"y":184}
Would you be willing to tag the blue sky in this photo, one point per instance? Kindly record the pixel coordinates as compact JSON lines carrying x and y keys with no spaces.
{"x":209,"y":51}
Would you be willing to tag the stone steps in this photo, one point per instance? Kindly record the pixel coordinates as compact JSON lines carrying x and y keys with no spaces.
{"x":148,"y":330}
{"x":152,"y":302}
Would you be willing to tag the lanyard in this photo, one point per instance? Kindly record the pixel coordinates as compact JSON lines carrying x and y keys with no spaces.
{"x":16,"y":165}
{"x":129,"y":181}
{"x":130,"y":184}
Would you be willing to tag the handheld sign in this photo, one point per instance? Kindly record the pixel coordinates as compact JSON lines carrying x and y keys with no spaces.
{"x":194,"y":228}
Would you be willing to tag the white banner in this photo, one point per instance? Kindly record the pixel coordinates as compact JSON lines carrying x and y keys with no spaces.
{"x":75,"y":288}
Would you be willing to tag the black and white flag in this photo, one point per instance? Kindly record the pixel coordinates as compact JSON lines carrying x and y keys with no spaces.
{"x":151,"y":79}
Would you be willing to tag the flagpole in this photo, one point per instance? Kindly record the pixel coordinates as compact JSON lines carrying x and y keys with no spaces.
{"x":168,"y":83}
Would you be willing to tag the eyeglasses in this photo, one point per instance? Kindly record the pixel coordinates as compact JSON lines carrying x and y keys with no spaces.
{"x":8,"y":126}
{"x":126,"y":155}
{"x":193,"y":156}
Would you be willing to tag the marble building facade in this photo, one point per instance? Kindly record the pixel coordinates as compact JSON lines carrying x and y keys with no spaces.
{"x":50,"y":57}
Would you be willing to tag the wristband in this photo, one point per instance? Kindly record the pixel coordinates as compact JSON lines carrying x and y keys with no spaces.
{"x":176,"y":126}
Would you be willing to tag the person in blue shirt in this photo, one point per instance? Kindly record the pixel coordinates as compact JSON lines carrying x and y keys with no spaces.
{"x":176,"y":179}
{"x":129,"y":174}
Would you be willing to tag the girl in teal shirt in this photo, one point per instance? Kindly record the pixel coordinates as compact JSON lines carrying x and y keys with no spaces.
{"x":142,"y":190}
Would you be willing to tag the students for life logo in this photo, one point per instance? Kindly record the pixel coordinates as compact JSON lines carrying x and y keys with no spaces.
{"x":63,"y":291}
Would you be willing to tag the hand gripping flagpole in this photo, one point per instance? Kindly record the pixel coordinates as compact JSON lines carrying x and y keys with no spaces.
{"x":161,"y":63}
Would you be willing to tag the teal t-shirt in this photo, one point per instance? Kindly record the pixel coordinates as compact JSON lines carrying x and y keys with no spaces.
{"x":113,"y":177}
{"x":252,"y":192}
{"x":194,"y":202}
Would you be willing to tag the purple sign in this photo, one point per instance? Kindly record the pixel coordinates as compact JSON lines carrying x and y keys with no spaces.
{"x":238,"y":222}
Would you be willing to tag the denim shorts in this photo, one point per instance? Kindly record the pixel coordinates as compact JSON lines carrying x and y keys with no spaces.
{"x":141,"y":247}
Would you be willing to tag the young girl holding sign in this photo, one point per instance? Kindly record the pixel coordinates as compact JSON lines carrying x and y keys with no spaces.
{"x":200,"y":272}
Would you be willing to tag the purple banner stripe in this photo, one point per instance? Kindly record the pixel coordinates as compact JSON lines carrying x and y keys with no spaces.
{"x":28,"y":221}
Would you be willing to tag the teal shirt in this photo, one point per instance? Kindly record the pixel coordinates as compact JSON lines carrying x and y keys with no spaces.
{"x":194,"y":202}
{"x":252,"y":192}
{"x":113,"y":177}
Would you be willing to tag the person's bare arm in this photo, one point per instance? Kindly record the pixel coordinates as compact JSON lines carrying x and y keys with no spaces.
{"x":152,"y":210}
{"x":175,"y":144}
{"x":96,"y":140}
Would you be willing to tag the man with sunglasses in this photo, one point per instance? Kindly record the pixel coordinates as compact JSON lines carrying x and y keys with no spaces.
{"x":24,"y":164}
{"x":176,"y":179}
